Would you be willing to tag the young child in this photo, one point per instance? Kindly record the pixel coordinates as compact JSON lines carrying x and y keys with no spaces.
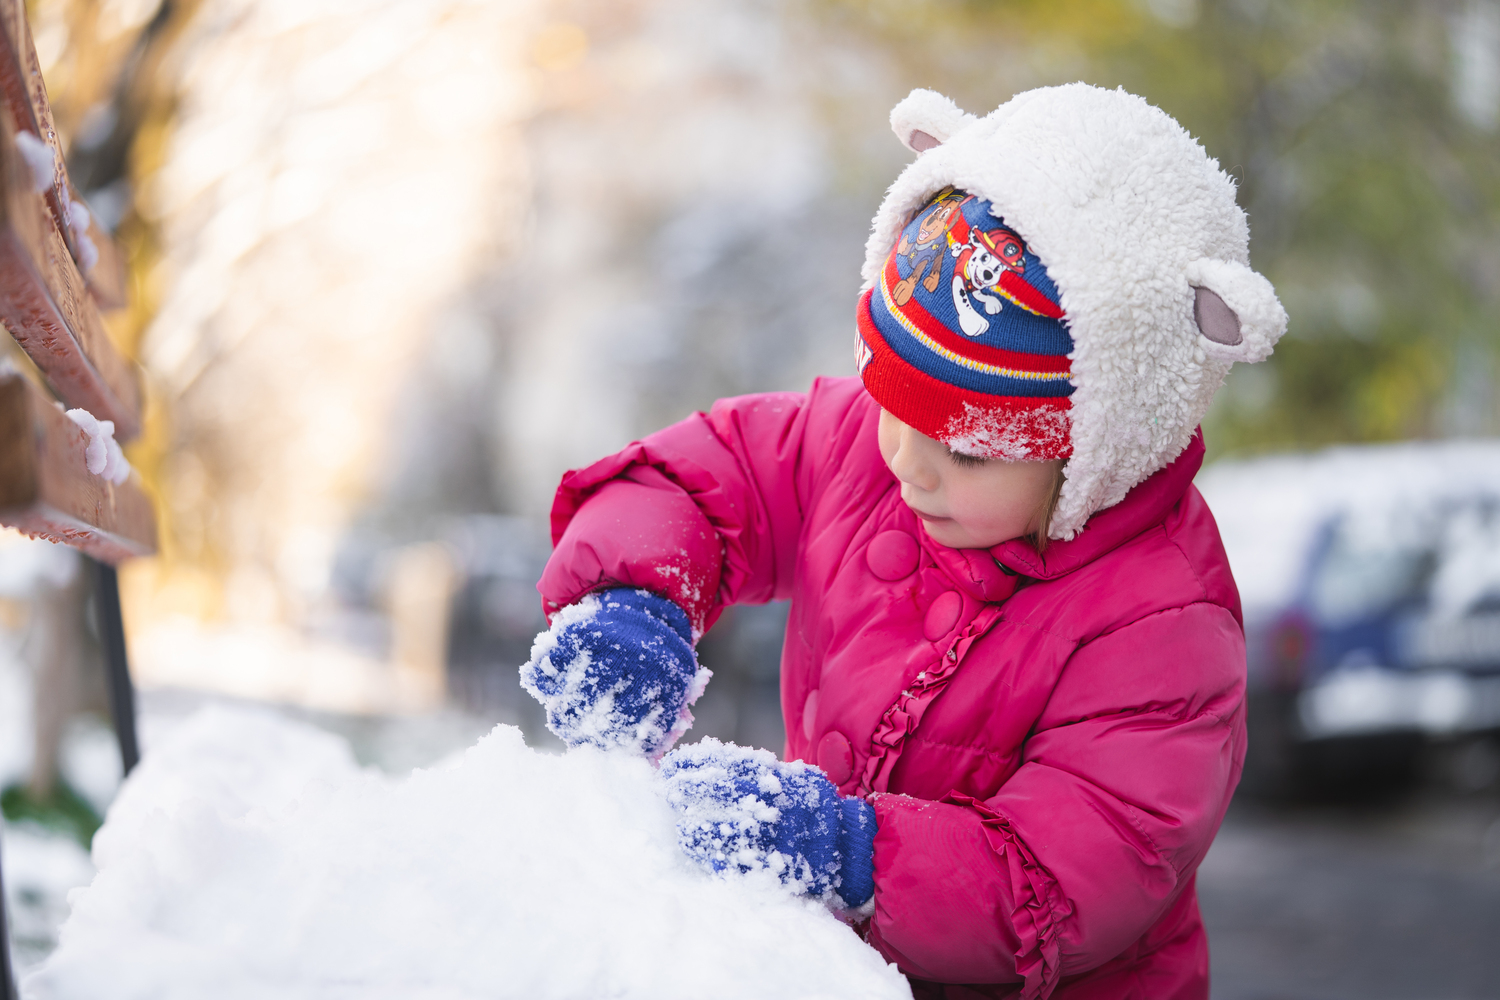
{"x":1015,"y":648}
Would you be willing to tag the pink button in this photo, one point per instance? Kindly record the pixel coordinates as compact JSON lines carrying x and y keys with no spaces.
{"x":942,"y":616}
{"x":891,"y":555}
{"x":810,"y":713}
{"x":836,"y":757}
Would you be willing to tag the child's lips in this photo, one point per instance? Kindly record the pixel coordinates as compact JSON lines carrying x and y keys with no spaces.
{"x":930,"y":518}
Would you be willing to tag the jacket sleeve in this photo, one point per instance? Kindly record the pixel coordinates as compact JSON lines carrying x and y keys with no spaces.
{"x":1115,"y":802}
{"x":707,"y":511}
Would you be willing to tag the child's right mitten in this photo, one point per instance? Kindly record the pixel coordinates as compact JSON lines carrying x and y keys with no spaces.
{"x":617,"y":669}
{"x":742,"y":810}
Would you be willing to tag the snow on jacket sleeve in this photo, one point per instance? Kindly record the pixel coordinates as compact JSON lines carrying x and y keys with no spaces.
{"x":1093,"y":837}
{"x":707,"y":511}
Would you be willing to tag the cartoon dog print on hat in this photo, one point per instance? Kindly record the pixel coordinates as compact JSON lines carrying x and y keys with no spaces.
{"x":925,"y":256}
{"x":982,"y":259}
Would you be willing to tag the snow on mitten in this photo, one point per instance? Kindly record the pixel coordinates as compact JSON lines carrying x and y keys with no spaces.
{"x":743,"y":810}
{"x":617,"y":669}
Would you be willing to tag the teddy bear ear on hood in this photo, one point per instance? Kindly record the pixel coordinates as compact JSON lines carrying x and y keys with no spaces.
{"x":1235,"y":309}
{"x":925,"y":119}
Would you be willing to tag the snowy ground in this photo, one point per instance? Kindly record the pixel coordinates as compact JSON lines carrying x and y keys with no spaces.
{"x":251,"y":856}
{"x":41,"y":866}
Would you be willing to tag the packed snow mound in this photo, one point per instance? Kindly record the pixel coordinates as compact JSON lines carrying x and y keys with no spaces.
{"x":250,"y":857}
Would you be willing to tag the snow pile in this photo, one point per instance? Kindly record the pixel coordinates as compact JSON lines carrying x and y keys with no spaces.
{"x":250,"y":857}
{"x":1269,"y":510}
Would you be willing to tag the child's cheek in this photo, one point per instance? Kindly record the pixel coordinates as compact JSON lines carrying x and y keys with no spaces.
{"x":989,"y":512}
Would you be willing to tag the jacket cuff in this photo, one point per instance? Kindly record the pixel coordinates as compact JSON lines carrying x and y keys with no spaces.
{"x":961,"y":898}
{"x":639,"y":530}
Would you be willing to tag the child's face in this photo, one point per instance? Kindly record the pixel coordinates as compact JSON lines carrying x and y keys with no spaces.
{"x":965,"y":502}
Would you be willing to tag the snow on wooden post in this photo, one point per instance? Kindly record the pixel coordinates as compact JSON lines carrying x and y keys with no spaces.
{"x":25,"y":94}
{"x":44,"y":299}
{"x":45,"y":306}
{"x":47,"y":490}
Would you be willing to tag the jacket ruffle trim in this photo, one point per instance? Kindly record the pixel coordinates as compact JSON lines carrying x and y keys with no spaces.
{"x":1038,"y":908}
{"x":902,"y":718}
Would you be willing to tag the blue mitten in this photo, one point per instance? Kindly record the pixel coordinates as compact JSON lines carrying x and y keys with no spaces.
{"x":744,"y":810}
{"x":617,"y":669}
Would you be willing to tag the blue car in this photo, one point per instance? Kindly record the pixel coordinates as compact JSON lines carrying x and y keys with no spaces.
{"x":1371,"y":579}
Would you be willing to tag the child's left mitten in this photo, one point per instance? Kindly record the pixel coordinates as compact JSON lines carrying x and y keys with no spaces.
{"x":743,"y":810}
{"x":617,"y":669}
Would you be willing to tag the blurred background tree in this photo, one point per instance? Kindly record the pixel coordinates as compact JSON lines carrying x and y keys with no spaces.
{"x":1363,"y":136}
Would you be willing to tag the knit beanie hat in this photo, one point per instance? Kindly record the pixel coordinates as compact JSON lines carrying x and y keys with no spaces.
{"x":963,"y":338}
{"x":1122,"y":292}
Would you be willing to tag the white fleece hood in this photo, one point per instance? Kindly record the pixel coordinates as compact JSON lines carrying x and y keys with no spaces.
{"x":1138,"y":228}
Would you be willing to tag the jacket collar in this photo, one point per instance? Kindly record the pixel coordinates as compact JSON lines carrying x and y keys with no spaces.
{"x":1145,"y":506}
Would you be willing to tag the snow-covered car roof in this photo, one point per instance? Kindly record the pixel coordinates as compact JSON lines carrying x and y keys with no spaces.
{"x":1270,"y":509}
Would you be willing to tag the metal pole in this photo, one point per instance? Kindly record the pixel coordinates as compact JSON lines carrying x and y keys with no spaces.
{"x":7,"y":974}
{"x":116,"y":667}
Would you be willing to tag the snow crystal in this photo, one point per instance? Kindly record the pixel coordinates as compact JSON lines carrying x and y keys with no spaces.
{"x":104,"y":456}
{"x":249,"y":856}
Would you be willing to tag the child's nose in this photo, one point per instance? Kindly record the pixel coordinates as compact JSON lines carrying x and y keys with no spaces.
{"x":910,"y":464}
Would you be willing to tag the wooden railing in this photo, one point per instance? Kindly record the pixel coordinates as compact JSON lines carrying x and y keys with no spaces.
{"x":58,"y":269}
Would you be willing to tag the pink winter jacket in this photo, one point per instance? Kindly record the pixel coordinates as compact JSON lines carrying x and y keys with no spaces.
{"x":1049,"y":741}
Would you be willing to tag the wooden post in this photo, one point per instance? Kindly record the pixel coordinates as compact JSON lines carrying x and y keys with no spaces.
{"x":25,"y":93}
{"x":47,"y":491}
{"x":51,"y":285}
{"x":47,"y":308}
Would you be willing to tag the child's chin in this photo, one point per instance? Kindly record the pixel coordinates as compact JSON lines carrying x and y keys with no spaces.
{"x":950,"y":533}
{"x":947,"y":532}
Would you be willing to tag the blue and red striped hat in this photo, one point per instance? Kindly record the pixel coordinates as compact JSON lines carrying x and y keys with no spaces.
{"x":963,"y":336}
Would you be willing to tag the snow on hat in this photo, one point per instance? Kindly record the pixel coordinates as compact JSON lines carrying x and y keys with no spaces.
{"x":963,"y":339}
{"x":1143,"y":241}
